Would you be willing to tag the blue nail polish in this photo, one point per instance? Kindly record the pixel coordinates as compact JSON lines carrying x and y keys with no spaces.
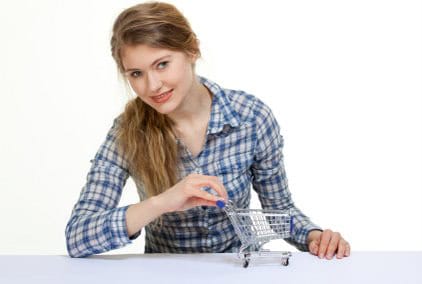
{"x":220,"y":203}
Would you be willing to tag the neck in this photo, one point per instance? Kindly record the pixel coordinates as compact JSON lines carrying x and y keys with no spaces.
{"x":195,"y":108}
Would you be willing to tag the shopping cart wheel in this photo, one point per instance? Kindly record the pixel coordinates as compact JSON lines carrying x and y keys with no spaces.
{"x":246,"y":259}
{"x":285,"y":261}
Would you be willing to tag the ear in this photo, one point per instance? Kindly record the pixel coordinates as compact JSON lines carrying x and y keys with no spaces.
{"x":193,"y":57}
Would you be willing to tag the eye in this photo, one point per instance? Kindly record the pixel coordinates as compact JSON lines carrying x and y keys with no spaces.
{"x":162,"y":65}
{"x":135,"y":74}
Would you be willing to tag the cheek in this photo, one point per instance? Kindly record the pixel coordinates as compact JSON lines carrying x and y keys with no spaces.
{"x":181,"y":72}
{"x":137,"y":87}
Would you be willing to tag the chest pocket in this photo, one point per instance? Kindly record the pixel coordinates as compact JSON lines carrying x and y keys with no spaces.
{"x":235,"y":175}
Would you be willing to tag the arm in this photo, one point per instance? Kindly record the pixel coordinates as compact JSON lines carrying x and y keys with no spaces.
{"x":183,"y":195}
{"x":271,"y":184}
{"x":97,"y":224}
{"x":269,"y":176}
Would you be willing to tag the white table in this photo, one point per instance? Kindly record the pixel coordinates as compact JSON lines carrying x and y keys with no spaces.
{"x":360,"y":267}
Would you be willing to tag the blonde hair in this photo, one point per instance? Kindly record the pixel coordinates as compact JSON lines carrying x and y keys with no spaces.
{"x":144,"y":135}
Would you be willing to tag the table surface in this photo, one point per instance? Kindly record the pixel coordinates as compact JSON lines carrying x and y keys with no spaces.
{"x":360,"y":267}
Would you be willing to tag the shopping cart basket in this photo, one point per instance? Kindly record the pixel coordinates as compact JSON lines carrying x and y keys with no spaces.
{"x":256,"y":227}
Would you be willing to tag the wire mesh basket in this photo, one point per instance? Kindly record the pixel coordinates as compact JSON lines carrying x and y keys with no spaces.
{"x":256,"y":227}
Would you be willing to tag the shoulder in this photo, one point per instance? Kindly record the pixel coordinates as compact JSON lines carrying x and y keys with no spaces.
{"x":114,"y":129}
{"x":249,"y":107}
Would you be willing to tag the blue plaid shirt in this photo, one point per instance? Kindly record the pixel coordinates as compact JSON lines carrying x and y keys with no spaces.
{"x":243,"y":147}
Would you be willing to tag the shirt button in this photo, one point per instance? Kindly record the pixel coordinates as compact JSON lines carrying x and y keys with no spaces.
{"x":198,"y":171}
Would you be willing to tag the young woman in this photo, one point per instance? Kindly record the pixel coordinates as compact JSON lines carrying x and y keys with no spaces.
{"x":186,"y":142}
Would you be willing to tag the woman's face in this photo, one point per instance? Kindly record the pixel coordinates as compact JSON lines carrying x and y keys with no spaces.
{"x":162,"y":78}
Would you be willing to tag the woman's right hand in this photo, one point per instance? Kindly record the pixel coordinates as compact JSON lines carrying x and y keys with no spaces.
{"x":187,"y":193}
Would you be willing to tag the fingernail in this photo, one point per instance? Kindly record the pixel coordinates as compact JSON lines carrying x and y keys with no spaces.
{"x":220,"y":203}
{"x":321,"y":255}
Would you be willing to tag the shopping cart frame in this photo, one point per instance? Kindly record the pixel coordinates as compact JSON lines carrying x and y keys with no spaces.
{"x":256,"y":227}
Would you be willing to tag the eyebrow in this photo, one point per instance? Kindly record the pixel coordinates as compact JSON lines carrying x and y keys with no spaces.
{"x":153,"y":63}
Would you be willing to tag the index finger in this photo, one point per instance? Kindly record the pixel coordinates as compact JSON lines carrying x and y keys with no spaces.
{"x":214,"y":183}
{"x":325,"y":240}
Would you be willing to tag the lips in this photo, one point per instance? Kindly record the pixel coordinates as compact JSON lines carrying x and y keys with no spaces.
{"x":163,"y":97}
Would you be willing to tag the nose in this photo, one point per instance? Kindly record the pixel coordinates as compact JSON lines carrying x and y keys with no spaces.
{"x":154,"y":82}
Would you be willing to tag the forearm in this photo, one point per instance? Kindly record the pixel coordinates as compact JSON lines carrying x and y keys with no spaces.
{"x":141,"y":214}
{"x":89,"y":232}
{"x":184,"y":195}
{"x":302,"y":224}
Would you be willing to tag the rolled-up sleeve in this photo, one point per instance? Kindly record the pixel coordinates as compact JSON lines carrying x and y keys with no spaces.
{"x":269,"y":176}
{"x":96,"y":224}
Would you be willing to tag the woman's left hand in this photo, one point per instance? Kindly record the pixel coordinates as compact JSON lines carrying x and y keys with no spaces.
{"x":327,"y":243}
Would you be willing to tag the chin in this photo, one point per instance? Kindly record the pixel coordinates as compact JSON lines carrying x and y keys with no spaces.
{"x":164,"y":109}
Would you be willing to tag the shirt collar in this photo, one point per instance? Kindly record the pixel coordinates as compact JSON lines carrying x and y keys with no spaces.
{"x":222,"y":113}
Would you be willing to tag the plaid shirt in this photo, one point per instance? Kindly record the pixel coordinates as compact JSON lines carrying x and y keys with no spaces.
{"x":243,"y":147}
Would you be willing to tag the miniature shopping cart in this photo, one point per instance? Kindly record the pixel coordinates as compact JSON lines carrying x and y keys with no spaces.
{"x":256,"y":227}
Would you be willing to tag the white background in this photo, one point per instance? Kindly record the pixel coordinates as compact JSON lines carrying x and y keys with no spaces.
{"x":343,"y":78}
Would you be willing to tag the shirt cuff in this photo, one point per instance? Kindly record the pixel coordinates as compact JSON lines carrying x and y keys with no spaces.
{"x":300,"y":237}
{"x":118,"y":230}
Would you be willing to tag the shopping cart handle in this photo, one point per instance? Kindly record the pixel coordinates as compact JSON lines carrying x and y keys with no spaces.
{"x":220,"y":204}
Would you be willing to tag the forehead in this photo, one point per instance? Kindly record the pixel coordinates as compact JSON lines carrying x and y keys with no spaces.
{"x":142,"y":56}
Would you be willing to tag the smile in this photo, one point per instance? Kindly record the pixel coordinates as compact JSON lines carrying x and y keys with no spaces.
{"x":161,"y":98}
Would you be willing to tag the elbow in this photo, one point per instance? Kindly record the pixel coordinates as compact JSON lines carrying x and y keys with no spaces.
{"x":72,"y":243}
{"x":73,"y":251}
{"x":80,"y":241}
{"x":70,"y":246}
{"x":74,"y":255}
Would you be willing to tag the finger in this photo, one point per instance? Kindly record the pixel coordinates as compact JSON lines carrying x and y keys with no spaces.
{"x":206,"y":196}
{"x":333,"y":245}
{"x":216,"y":184}
{"x":325,"y":240}
{"x":347,"y":250}
{"x":341,"y":248}
{"x":313,"y":247}
{"x":197,"y":201}
{"x":212,"y":182}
